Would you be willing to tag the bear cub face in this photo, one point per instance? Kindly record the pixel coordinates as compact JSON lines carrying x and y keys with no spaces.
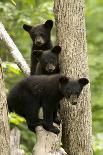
{"x":41,"y":37}
{"x":71,"y":89}
{"x":40,"y":34}
{"x":48,"y":61}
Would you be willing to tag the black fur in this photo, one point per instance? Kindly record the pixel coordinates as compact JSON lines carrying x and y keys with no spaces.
{"x":34,"y":92}
{"x":48,"y":61}
{"x":49,"y":64}
{"x":41,"y":37}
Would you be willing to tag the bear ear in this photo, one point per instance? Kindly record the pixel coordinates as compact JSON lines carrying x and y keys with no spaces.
{"x":38,"y":53}
{"x":56,"y":49}
{"x":27,"y":27}
{"x":49,"y":24}
{"x":63,"y":79}
{"x":83,"y":81}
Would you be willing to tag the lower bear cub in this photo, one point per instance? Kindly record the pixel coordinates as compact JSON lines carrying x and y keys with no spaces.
{"x":44,"y":91}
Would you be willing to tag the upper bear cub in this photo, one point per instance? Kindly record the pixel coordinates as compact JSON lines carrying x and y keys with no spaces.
{"x":44,"y":91}
{"x":41,"y":37}
{"x":48,"y":61}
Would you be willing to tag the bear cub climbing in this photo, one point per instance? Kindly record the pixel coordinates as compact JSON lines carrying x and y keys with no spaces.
{"x":30,"y":94}
{"x":41,"y":38}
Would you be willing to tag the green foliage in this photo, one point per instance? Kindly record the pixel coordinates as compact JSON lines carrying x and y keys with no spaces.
{"x":13,"y":2}
{"x":94,"y":18}
{"x":14,"y":14}
{"x":12,"y":74}
{"x":15,"y":119}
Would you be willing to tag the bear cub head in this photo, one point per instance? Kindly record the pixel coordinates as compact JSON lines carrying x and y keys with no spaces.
{"x":48,"y":61}
{"x":71,"y":89}
{"x":40,"y":34}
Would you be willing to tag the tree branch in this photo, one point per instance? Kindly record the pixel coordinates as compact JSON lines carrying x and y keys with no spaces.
{"x":48,"y":143}
{"x":15,"y":143}
{"x":20,"y":61}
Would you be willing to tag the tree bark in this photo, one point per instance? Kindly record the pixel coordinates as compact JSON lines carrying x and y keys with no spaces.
{"x":14,"y":50}
{"x":15,"y":143}
{"x":4,"y":128}
{"x":71,"y":35}
{"x":47,"y":143}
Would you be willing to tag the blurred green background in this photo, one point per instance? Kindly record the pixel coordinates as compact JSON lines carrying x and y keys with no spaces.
{"x":14,"y":14}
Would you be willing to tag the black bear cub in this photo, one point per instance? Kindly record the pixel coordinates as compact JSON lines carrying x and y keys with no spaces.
{"x":41,"y":37}
{"x":48,"y":61}
{"x":44,"y":91}
{"x":49,"y":64}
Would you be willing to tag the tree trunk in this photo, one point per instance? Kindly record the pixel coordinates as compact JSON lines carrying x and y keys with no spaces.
{"x":4,"y":128}
{"x":71,"y":35}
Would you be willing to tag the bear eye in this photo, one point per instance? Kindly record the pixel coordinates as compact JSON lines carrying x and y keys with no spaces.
{"x":33,"y":34}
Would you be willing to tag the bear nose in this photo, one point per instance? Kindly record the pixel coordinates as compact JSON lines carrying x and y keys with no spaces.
{"x":39,"y":40}
{"x":50,"y":67}
{"x":50,"y":70}
{"x":73,"y":99}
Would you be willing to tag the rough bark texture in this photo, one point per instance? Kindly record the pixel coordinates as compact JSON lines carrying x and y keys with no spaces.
{"x":71,"y":35}
{"x":15,"y":143}
{"x":47,"y":143}
{"x":4,"y":128}
{"x":14,"y":50}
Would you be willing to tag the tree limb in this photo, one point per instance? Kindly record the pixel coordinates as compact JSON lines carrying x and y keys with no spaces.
{"x":20,"y":61}
{"x":15,"y":143}
{"x":48,"y":143}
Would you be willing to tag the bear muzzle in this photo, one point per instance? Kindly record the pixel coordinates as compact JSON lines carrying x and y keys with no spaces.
{"x":73,"y":99}
{"x":39,"y":41}
{"x":50,"y":67}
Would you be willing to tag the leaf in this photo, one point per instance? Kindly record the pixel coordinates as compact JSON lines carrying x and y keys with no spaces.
{"x":13,"y":2}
